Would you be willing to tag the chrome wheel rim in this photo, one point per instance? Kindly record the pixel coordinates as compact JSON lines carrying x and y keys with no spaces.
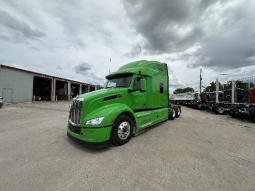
{"x":173,"y":113}
{"x":123,"y":130}
{"x":179,"y":112}
{"x":220,"y":109}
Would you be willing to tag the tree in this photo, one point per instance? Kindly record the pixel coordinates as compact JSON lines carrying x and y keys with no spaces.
{"x":178,"y":91}
{"x":188,"y":89}
{"x":239,"y":84}
{"x":228,"y":85}
{"x":212,"y":87}
{"x":184,"y":90}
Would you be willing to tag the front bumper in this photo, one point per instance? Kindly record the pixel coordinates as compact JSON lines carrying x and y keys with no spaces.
{"x":91,"y":144}
{"x":91,"y":137}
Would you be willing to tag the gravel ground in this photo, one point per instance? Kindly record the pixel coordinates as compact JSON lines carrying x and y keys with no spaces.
{"x":198,"y":151}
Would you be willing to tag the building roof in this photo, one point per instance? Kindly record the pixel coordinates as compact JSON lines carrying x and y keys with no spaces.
{"x":44,"y":75}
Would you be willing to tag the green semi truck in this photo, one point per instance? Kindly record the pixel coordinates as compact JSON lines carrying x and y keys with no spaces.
{"x":135,"y":99}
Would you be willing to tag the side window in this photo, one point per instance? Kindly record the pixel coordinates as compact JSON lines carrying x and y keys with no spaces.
{"x":137,"y":84}
{"x":160,"y":67}
{"x":161,"y":88}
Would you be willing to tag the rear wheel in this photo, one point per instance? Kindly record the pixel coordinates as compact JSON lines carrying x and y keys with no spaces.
{"x":177,"y":112}
{"x":122,"y":130}
{"x":252,"y":114}
{"x":171,"y":114}
{"x":218,"y":109}
{"x":199,"y":106}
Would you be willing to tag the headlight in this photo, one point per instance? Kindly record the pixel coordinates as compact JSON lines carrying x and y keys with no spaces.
{"x":95,"y":121}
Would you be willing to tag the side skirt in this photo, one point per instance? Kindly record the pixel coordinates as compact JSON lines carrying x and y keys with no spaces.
{"x":148,"y":128}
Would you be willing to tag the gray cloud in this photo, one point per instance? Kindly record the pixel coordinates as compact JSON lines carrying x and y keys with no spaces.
{"x":34,"y":48}
{"x":224,"y":53}
{"x":12,"y":23}
{"x":59,"y":68}
{"x":167,"y":26}
{"x":82,"y":68}
{"x":135,"y":52}
{"x":225,"y":35}
{"x":88,"y":75}
{"x":4,"y":37}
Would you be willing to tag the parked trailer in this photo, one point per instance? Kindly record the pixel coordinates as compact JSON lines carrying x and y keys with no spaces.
{"x":183,"y":98}
{"x":212,"y":99}
{"x":225,"y":105}
{"x":239,"y":110}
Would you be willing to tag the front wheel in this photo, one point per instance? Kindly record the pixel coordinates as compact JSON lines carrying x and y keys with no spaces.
{"x":122,"y":130}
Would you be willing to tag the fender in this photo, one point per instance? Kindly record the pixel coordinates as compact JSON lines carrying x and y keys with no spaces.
{"x":110,"y":112}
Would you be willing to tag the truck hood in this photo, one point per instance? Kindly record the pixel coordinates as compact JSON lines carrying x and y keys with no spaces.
{"x":104,"y":97}
{"x":103,"y":93}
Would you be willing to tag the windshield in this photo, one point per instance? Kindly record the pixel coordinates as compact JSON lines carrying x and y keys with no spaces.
{"x":119,"y":81}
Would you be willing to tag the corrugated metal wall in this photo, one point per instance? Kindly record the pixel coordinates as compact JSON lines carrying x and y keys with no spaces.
{"x":15,"y":85}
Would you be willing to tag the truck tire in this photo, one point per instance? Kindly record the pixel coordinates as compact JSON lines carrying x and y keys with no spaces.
{"x":214,"y":109}
{"x":177,"y":112}
{"x":218,"y":109}
{"x":171,"y":114}
{"x":252,"y":114}
{"x":122,"y":130}
{"x":198,"y":106}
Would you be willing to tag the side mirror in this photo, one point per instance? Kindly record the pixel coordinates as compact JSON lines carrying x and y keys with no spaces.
{"x":143,"y":85}
{"x":98,"y":87}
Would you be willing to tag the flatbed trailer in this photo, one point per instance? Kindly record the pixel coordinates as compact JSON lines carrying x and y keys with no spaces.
{"x":239,"y":110}
{"x":185,"y":99}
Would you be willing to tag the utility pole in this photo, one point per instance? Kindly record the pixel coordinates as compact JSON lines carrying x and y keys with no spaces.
{"x":200,"y":79}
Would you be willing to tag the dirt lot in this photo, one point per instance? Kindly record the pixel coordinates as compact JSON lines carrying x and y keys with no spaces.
{"x":198,"y":151}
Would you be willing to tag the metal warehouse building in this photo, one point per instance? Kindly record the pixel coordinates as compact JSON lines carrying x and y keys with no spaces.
{"x":19,"y":85}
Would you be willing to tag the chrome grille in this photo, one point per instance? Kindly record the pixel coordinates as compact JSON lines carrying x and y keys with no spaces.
{"x":75,"y":111}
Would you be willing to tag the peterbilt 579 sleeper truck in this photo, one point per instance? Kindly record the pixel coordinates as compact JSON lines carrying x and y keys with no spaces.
{"x":135,"y":99}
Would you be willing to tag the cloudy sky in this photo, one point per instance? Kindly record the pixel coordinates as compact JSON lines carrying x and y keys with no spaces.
{"x":76,"y":39}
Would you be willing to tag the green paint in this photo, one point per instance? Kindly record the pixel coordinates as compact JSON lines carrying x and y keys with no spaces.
{"x":143,"y":96}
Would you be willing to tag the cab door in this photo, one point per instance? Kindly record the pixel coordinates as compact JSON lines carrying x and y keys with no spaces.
{"x":138,"y":98}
